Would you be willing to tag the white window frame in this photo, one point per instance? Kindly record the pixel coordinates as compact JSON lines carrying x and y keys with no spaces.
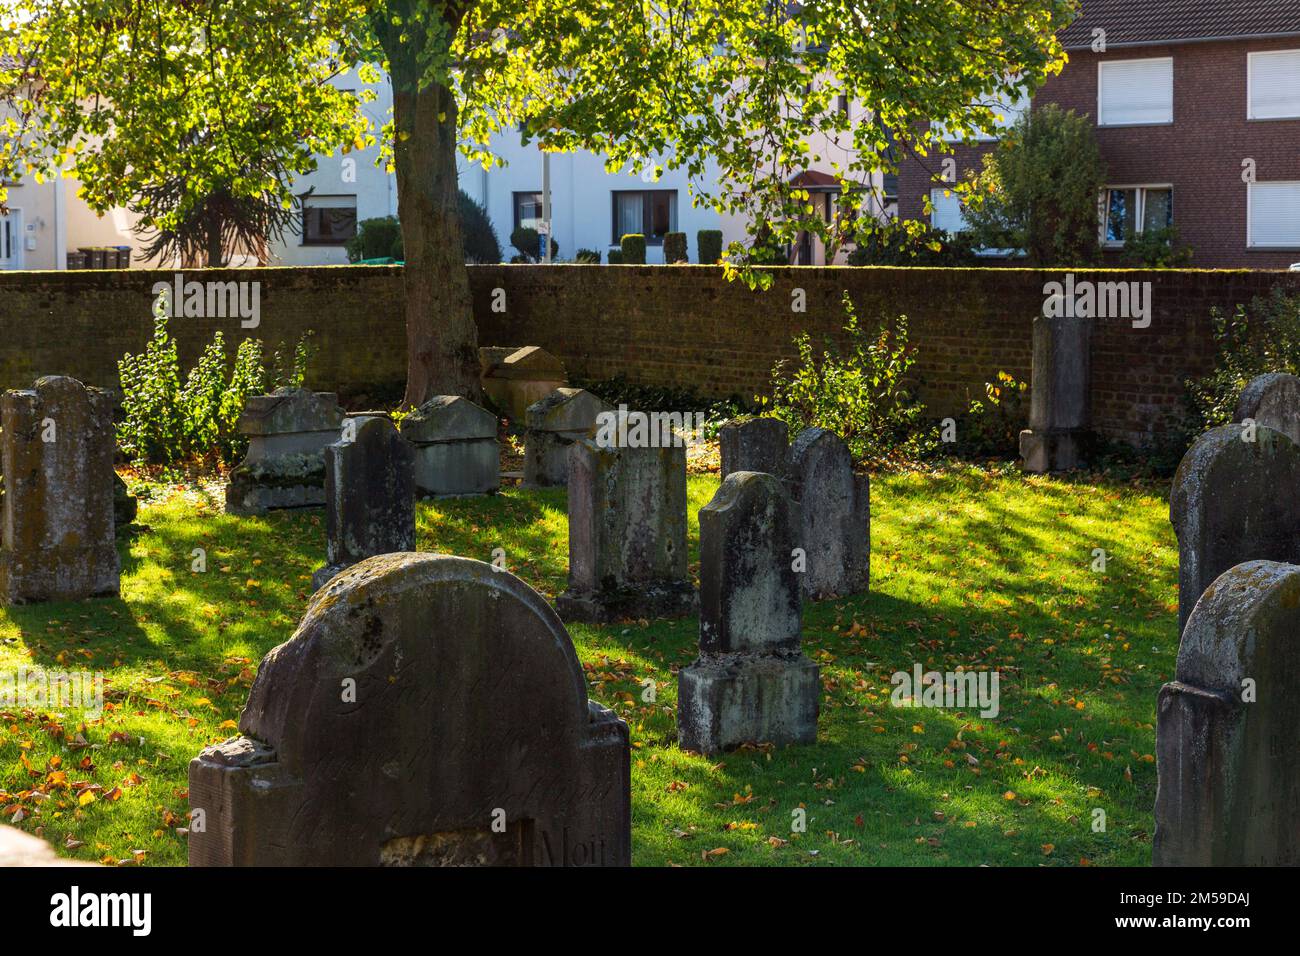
{"x":961,"y":206}
{"x":13,"y":221}
{"x":1250,"y":81}
{"x":1250,"y":225}
{"x":1101,"y":64}
{"x":1103,"y":208}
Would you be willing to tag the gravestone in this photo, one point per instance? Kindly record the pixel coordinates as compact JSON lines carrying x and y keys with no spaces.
{"x":565,"y":416}
{"x":1272,"y":400}
{"x":835,"y":515}
{"x":1234,"y":500}
{"x":455,"y":445}
{"x":756,"y":444}
{"x":1228,"y":792}
{"x":56,"y":514}
{"x":369,"y":497}
{"x":429,"y":711}
{"x":285,"y":464}
{"x":515,"y":378}
{"x":1060,"y":394}
{"x":627,"y":534}
{"x":751,"y":682}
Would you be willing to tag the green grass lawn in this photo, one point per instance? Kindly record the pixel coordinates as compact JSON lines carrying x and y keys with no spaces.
{"x":969,"y":568}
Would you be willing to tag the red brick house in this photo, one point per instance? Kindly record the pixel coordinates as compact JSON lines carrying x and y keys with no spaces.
{"x":1197,"y":111}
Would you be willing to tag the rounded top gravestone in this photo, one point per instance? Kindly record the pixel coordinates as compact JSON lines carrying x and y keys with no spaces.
{"x":1272,"y":400}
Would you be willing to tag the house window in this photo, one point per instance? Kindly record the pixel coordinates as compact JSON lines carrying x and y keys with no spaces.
{"x":648,"y":212}
{"x":1133,"y":210}
{"x":328,"y":220}
{"x":1135,"y":92}
{"x":1273,"y":215}
{"x":1273,"y":85}
{"x":528,"y":210}
{"x":947,"y":213}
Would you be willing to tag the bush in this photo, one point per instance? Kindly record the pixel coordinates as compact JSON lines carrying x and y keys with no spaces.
{"x":860,"y":396}
{"x":708,"y":246}
{"x":893,"y":244}
{"x":168,"y":423}
{"x":654,"y":398}
{"x":675,"y":247}
{"x":634,"y":249}
{"x":1263,"y":338}
{"x":614,"y":257}
{"x":528,"y":241}
{"x":382,"y":237}
{"x":993,"y":425}
{"x":1157,"y":249}
{"x":587,"y":255}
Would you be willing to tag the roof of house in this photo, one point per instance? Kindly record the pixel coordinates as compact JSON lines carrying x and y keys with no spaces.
{"x":1149,"y":22}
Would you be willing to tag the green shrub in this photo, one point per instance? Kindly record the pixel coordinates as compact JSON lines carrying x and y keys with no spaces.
{"x":893,"y":244}
{"x":655,"y":398}
{"x":167,"y":422}
{"x":375,"y":239}
{"x":614,"y":257}
{"x":675,"y":247}
{"x":477,"y":235}
{"x":587,"y":256}
{"x":993,"y":425}
{"x":860,"y":395}
{"x":382,"y":237}
{"x":528,"y":242}
{"x":1263,"y":338}
{"x":1157,"y":249}
{"x":634,"y":249}
{"x":708,"y":246}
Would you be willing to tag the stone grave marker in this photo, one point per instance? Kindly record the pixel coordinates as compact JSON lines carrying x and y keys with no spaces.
{"x":1234,"y":500}
{"x":755,"y":444}
{"x":1060,"y":394}
{"x":455,"y":445}
{"x":515,"y":378}
{"x":285,"y":464}
{"x":1272,"y":400}
{"x":563,"y":417}
{"x":627,"y":534}
{"x":429,"y":711}
{"x":835,"y":515}
{"x":56,"y":513}
{"x":369,"y":497}
{"x":751,"y":682}
{"x":1228,"y":725}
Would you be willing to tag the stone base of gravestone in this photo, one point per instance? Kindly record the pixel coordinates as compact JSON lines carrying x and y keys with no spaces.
{"x":1227,"y":792}
{"x":1060,"y":394}
{"x":554,"y":423}
{"x":446,"y":723}
{"x":56,"y":516}
{"x":670,"y":599}
{"x":1272,"y":400}
{"x":456,"y":452}
{"x":724,"y":703}
{"x":285,"y":463}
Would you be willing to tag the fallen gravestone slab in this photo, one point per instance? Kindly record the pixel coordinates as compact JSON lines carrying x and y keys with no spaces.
{"x":285,"y":463}
{"x":1235,"y":498}
{"x":1229,"y":775}
{"x":429,"y":711}
{"x":751,"y":682}
{"x":56,"y":514}
{"x":627,"y":534}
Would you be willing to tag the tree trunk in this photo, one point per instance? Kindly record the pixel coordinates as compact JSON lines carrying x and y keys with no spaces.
{"x":441,"y":339}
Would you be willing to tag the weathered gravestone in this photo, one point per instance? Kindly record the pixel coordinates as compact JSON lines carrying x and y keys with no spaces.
{"x":369,"y":497}
{"x":285,"y":464}
{"x":56,"y":513}
{"x":515,"y":378}
{"x":1060,"y":394}
{"x":563,"y":417}
{"x":1272,"y":400}
{"x":756,"y":444}
{"x":1234,"y":500}
{"x":835,"y":515}
{"x":627,"y":534}
{"x":1228,"y":725}
{"x":751,"y":682}
{"x":430,"y":710}
{"x":455,"y":445}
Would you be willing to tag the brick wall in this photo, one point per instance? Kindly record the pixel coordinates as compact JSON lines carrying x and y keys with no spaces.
{"x":680,"y":325}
